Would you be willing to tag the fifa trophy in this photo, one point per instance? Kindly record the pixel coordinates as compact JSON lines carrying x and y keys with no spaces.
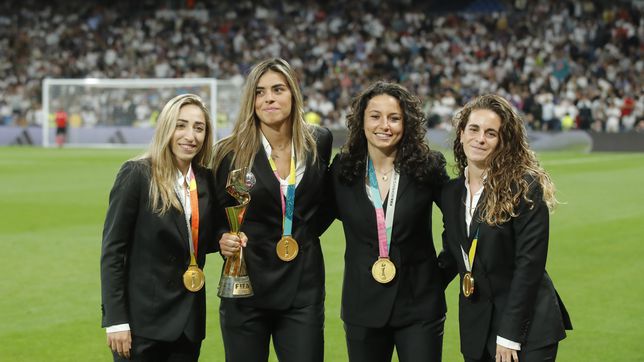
{"x":234,"y":282}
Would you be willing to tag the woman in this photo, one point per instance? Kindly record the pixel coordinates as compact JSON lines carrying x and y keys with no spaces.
{"x":288,"y":159}
{"x":154,"y":245}
{"x":496,"y":216}
{"x":385,"y":181}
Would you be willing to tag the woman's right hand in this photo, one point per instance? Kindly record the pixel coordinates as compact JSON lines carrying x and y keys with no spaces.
{"x":230,"y":244}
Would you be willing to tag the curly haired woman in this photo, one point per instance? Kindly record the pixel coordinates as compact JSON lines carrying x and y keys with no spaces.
{"x":385,"y":181}
{"x":496,"y":216}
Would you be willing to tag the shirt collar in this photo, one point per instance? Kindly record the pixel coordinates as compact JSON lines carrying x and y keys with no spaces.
{"x":181,"y":180}
{"x":467,"y":184}
{"x":300,"y":167}
{"x":266,"y":144}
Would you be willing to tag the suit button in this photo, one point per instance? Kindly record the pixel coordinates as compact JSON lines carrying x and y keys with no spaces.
{"x":172,"y":258}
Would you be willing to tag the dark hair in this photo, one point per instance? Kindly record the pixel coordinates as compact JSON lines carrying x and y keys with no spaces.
{"x":413,"y":157}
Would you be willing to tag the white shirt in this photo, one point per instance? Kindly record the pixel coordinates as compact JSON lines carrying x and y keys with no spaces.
{"x":299,"y":168}
{"x":471,"y":201}
{"x":182,"y":188}
{"x":470,"y":205}
{"x":183,"y":193}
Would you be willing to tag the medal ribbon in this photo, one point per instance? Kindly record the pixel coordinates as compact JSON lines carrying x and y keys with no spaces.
{"x":288,"y":205}
{"x":385,"y":223}
{"x":469,"y":261}
{"x":194,"y":206}
{"x":193,"y":226}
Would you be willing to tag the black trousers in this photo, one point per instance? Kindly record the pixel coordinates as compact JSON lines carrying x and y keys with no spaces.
{"x":547,"y":353}
{"x":298,"y":333}
{"x":149,"y":350}
{"x":421,"y":341}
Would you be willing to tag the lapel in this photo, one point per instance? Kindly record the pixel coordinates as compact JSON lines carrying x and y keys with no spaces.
{"x":403,"y":185}
{"x":264,"y":174}
{"x":311,"y":174}
{"x":459,"y":200}
{"x":476,"y":222}
{"x":363,"y":203}
{"x":203,"y":204}
{"x":179,"y":217}
{"x":180,"y":222}
{"x":466,"y":236}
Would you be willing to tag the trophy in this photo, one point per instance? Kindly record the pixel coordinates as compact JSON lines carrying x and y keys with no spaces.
{"x":234,"y":282}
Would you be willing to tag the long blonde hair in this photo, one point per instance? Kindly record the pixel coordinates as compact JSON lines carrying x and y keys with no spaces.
{"x":245,"y":140}
{"x":509,"y":164}
{"x":163,"y":162}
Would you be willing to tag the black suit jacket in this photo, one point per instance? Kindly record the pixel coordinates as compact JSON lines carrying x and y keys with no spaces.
{"x":514,"y":296}
{"x":416,"y":293}
{"x":278,"y":284}
{"x":144,"y":256}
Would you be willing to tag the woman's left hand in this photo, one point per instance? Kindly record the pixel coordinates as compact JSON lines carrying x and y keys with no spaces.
{"x":504,"y":354}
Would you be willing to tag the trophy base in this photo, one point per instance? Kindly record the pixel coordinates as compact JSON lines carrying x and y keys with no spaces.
{"x":235,"y":287}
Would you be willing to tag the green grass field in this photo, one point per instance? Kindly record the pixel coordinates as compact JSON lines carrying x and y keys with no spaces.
{"x":53,"y":203}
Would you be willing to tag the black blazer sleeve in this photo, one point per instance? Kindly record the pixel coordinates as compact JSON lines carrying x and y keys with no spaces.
{"x":328,"y":210}
{"x":219,"y":216}
{"x":446,"y":261}
{"x":530,"y":229}
{"x":117,"y":231}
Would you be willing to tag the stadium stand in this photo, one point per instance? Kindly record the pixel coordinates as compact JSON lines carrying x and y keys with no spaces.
{"x":565,"y":64}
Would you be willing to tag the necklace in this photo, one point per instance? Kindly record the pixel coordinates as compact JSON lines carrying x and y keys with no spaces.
{"x":385,"y":175}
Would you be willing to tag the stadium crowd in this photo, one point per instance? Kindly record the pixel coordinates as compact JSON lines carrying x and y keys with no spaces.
{"x":564,"y":64}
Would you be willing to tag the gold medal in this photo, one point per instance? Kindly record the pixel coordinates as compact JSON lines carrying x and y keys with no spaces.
{"x":287,"y":248}
{"x":468,"y":284}
{"x":383,"y":270}
{"x":194,"y":278}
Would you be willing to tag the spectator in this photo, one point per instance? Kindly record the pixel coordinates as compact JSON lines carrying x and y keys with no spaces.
{"x":541,"y":46}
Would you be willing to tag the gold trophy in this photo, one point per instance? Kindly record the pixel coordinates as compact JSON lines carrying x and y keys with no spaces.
{"x":234,"y":282}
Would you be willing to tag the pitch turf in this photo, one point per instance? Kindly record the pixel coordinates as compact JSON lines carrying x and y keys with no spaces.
{"x":53,"y":203}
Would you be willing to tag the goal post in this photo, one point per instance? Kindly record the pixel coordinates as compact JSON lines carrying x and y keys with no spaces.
{"x":113,"y":112}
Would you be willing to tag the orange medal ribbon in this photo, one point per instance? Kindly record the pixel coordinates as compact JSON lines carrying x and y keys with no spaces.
{"x":194,"y":205}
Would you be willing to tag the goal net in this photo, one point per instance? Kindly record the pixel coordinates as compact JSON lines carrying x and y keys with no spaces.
{"x":118,"y":112}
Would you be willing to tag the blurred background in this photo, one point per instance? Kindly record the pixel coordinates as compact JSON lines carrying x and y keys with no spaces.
{"x":565,"y":65}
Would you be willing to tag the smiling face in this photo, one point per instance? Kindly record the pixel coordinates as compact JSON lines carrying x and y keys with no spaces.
{"x":273,"y":99}
{"x":383,"y":123}
{"x":188,"y":136}
{"x":480,"y":137}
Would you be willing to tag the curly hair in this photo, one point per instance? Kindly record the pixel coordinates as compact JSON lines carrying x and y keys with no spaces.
{"x":512,"y":167}
{"x":413,"y":156}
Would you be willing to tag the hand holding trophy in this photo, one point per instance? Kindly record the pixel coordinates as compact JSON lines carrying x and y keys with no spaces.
{"x":234,"y":282}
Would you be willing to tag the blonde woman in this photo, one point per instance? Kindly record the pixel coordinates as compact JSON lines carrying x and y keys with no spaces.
{"x":288,"y":159}
{"x":154,"y":245}
{"x":496,"y":216}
